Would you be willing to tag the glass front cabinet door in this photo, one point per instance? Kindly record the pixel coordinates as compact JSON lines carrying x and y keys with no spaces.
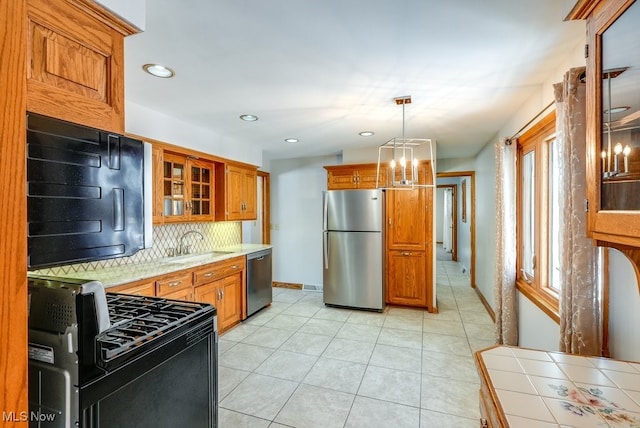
{"x":613,"y":122}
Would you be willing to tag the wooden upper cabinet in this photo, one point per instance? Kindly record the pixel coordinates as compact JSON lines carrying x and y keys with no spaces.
{"x":356,"y":176}
{"x":236,"y":195}
{"x":157,"y":189}
{"x":75,"y":63}
{"x":613,"y":175}
{"x":187,"y":188}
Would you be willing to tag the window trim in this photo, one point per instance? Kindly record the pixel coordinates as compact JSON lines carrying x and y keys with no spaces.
{"x":538,"y":291}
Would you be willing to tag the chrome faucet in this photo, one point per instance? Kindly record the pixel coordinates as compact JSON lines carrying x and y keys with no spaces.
{"x":184,"y":249}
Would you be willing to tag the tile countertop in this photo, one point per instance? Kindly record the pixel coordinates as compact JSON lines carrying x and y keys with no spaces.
{"x":117,"y":275}
{"x":553,"y":389}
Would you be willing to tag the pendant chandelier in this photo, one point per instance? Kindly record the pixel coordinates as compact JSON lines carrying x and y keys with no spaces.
{"x":401,"y":155}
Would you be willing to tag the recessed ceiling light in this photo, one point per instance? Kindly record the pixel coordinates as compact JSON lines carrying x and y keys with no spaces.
{"x":366,"y":133}
{"x":159,"y":70}
{"x":291,"y":140}
{"x":249,"y":117}
{"x":615,"y":110}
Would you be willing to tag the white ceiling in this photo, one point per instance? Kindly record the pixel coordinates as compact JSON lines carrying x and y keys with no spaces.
{"x":323,"y":70}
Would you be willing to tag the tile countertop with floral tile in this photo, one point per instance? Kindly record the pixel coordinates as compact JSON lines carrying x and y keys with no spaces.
{"x":553,"y":389}
{"x":122,"y":274}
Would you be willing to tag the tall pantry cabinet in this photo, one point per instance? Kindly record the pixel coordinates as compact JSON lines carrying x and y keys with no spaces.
{"x":409,"y":244}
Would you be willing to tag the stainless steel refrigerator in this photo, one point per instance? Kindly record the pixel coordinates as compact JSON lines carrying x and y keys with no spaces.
{"x":353,"y":240}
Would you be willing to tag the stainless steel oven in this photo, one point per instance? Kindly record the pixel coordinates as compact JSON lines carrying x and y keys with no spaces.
{"x":149,"y":362}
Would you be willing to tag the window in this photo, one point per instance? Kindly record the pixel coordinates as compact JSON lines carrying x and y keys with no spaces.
{"x":538,"y":216}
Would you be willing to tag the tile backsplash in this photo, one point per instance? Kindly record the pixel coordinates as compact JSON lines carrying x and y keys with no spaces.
{"x":216,"y":235}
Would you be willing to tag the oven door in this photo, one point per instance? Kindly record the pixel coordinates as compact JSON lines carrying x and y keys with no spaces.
{"x":171,"y":386}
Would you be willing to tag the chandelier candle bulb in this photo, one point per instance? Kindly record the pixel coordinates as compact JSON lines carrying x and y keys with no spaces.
{"x":617,"y":149}
{"x":604,"y":161}
{"x":626,"y":152}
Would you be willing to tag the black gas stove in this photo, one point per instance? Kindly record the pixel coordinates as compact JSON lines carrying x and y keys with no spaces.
{"x":92,"y":354}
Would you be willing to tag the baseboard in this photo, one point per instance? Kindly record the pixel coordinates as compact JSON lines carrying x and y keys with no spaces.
{"x":291,"y":285}
{"x":486,"y":304}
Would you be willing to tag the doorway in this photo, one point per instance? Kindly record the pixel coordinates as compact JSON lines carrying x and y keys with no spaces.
{"x":258,"y":231}
{"x":463,"y":218}
{"x":447,"y":228}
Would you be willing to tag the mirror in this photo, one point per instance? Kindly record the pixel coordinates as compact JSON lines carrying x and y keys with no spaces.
{"x":620,"y":151}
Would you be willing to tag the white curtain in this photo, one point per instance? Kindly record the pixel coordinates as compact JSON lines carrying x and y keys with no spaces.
{"x":447,"y":220}
{"x":505,"y":274}
{"x":580,"y":261}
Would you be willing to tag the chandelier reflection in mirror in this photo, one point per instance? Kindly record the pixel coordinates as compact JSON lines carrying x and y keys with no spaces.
{"x":613,"y":151}
{"x":402,"y":156}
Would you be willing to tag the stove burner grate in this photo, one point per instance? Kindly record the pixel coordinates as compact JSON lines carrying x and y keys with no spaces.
{"x":136,"y":320}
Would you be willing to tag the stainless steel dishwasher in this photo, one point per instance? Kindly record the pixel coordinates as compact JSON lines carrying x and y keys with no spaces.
{"x":259,"y":292}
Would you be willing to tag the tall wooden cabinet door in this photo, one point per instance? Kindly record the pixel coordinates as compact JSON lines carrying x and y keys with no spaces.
{"x":158,"y":184}
{"x":406,"y":217}
{"x":234,"y":183}
{"x":174,"y":188}
{"x":249,"y":195}
{"x":341,"y":178}
{"x":231,"y":300}
{"x":75,"y":63}
{"x":406,"y":278}
{"x":200,"y":204}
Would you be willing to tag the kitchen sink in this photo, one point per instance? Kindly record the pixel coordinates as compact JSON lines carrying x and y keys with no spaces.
{"x":194,"y":258}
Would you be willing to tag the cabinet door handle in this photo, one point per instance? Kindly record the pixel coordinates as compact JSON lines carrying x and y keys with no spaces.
{"x":222,"y":294}
{"x":234,"y":267}
{"x":406,"y":253}
{"x":175,"y":283}
{"x":208,"y":274}
{"x":218,"y":292}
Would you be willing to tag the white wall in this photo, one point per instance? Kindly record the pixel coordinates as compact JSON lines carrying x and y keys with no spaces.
{"x":132,"y":11}
{"x":485,"y":169}
{"x":624,"y":309}
{"x":296,"y":218}
{"x":149,"y":123}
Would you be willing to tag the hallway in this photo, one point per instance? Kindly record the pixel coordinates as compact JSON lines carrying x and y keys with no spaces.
{"x":301,"y":364}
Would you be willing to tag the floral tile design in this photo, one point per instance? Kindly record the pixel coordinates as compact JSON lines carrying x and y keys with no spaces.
{"x":568,"y":390}
{"x":591,"y":405}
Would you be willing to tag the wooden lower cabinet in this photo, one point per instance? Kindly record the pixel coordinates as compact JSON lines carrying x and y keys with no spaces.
{"x":183,"y":294}
{"x":226,"y":295}
{"x":138,"y":288}
{"x":230,"y":302}
{"x":406,"y":278}
{"x":220,"y":284}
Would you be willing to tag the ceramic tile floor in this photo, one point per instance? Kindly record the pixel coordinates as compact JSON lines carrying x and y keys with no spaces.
{"x":298,"y":363}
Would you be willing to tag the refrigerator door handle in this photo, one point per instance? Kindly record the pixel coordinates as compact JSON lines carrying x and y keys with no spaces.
{"x":326,"y":250}
{"x":325,"y":211}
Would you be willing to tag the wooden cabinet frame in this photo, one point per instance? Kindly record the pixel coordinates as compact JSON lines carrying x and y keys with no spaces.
{"x":616,"y":229}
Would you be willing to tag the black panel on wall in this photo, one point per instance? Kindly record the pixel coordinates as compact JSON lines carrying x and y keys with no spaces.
{"x":84,"y":193}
